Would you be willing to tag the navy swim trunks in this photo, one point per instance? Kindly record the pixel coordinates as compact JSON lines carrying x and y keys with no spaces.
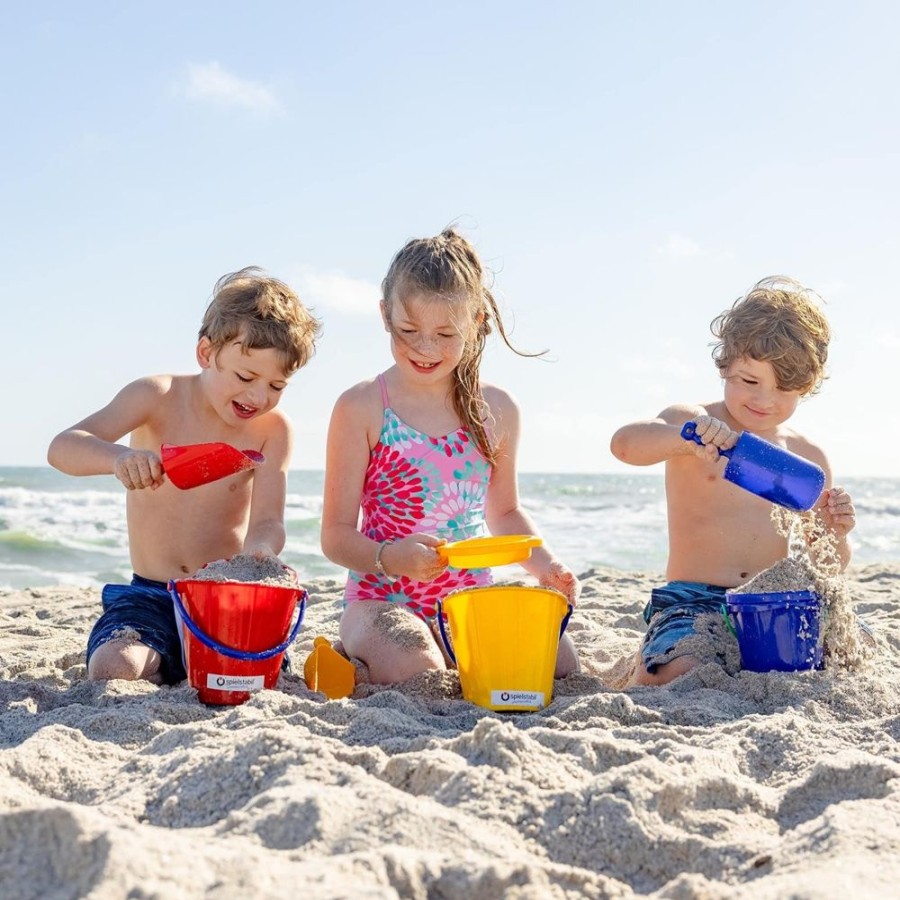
{"x":671,"y":616}
{"x":146,"y":607}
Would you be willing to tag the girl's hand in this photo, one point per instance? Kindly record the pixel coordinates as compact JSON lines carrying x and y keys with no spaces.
{"x":414,"y":556}
{"x":716,"y":435}
{"x":558,"y":577}
{"x":139,"y":469}
{"x":835,"y":509}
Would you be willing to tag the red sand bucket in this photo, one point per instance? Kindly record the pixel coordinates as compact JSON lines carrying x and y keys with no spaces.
{"x":234,"y":635}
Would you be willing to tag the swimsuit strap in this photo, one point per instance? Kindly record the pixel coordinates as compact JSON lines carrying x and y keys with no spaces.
{"x":385,"y":402}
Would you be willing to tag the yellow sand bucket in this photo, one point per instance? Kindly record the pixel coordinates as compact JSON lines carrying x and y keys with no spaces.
{"x":504,"y":641}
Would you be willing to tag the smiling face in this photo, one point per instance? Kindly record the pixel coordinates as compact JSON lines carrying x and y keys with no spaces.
{"x":428,"y":333}
{"x":753,"y":398}
{"x":241,"y":385}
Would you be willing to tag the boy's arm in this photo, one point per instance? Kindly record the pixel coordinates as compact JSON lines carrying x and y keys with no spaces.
{"x":503,"y":511}
{"x":656,"y":440}
{"x":835,"y":507}
{"x":265,"y":529}
{"x":90,"y":447}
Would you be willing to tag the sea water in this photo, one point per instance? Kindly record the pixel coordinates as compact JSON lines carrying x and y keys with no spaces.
{"x":56,"y":529}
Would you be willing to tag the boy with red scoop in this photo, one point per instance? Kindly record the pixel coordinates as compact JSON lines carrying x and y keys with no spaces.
{"x":255,"y":334}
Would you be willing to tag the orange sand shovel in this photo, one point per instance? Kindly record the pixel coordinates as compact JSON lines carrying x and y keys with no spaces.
{"x":327,"y":672}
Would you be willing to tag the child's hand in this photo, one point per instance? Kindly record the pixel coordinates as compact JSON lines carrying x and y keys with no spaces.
{"x":835,"y":509}
{"x":716,"y":435}
{"x":415,"y":557}
{"x":558,"y":577}
{"x":260,"y":551}
{"x":139,"y":469}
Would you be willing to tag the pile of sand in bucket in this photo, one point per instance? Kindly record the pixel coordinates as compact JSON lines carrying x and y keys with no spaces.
{"x":237,"y":618}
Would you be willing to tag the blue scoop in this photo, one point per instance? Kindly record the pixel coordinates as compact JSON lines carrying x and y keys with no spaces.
{"x":768,"y":471}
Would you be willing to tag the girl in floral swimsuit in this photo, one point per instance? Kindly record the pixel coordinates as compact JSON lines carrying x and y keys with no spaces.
{"x":427,"y":454}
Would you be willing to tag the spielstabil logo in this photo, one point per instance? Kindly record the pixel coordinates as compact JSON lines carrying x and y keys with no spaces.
{"x":220,"y":682}
{"x":533,"y":699}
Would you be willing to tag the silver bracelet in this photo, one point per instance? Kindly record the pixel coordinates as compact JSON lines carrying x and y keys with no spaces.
{"x":379,"y":565}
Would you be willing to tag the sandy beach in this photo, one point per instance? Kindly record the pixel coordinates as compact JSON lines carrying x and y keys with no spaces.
{"x":757,"y":785}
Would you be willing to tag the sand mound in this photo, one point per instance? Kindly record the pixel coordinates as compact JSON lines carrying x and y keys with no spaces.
{"x":752,"y":785}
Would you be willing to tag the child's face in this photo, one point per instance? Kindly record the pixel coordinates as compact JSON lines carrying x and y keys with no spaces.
{"x":243,"y":385}
{"x":428,"y":334}
{"x":753,"y":397}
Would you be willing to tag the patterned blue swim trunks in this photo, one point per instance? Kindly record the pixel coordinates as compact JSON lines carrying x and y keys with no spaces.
{"x":144,"y":606}
{"x":671,"y":615}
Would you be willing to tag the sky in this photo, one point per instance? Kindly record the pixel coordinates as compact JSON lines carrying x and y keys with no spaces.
{"x":626,"y":171}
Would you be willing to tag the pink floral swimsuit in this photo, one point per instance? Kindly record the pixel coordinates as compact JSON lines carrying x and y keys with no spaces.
{"x":418,"y":483}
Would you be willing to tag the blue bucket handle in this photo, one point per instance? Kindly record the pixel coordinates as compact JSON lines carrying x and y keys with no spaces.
{"x":230,"y":652}
{"x":446,"y":640}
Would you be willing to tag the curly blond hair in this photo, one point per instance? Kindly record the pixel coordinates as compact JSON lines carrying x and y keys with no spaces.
{"x":778,"y":321}
{"x":263,"y":313}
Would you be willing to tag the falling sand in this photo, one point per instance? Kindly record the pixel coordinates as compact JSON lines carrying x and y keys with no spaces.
{"x":813,"y":564}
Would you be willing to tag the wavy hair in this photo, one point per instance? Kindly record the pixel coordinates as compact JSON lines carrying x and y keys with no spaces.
{"x":778,"y":321}
{"x":447,"y":266}
{"x":264,"y":313}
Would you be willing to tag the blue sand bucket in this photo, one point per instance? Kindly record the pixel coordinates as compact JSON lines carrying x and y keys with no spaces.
{"x":504,"y":642}
{"x":776,"y":632}
{"x":768,"y":471}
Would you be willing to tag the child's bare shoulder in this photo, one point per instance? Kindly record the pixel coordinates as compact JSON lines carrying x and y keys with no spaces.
{"x":162,"y":386}
{"x":152,"y":390}
{"x":503,"y":408}
{"x":498,"y":398}
{"x":361,"y":402}
{"x":679,"y":413}
{"x":805,"y":447}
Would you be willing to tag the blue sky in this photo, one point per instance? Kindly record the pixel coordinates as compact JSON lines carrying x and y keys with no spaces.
{"x":626,"y":170}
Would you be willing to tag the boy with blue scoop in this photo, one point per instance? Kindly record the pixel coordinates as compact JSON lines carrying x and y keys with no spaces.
{"x":771,"y":352}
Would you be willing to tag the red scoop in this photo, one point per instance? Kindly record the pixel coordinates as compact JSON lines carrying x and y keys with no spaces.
{"x":195,"y":464}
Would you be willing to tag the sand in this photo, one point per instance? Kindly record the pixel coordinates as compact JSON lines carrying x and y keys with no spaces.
{"x":245,"y":569}
{"x":751,"y":785}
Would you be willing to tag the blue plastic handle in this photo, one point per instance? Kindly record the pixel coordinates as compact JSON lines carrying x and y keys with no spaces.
{"x":689,"y":433}
{"x":231,"y":652}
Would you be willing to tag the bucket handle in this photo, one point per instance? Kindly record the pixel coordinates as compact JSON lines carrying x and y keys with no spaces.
{"x":727,"y":620}
{"x":446,"y":640}
{"x":230,"y":652}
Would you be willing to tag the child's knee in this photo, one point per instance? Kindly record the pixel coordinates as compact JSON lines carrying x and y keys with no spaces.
{"x":566,"y":658}
{"x":665,"y":673}
{"x":391,"y":640}
{"x":125,"y":661}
